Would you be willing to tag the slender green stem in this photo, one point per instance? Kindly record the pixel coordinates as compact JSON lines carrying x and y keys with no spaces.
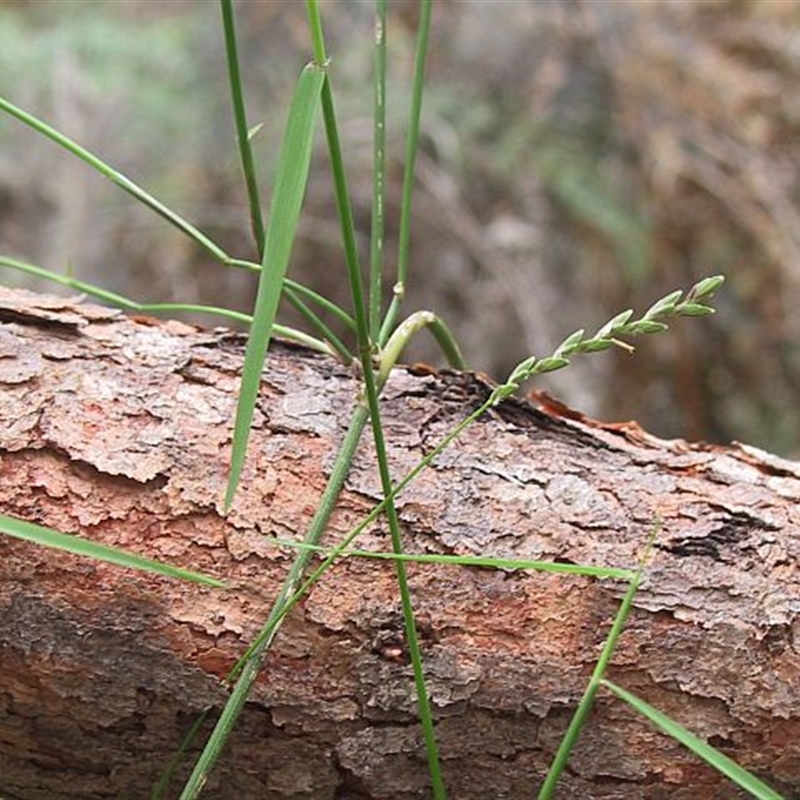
{"x":335,"y":342}
{"x":378,"y":173}
{"x":321,"y":301}
{"x":585,"y":706}
{"x":412,"y":640}
{"x":415,"y":323}
{"x":412,"y":145}
{"x":243,"y":263}
{"x":118,"y":300}
{"x":340,"y":184}
{"x":240,"y":117}
{"x":317,"y":37}
{"x":251,"y":667}
{"x":371,"y":389}
{"x":116,"y":177}
{"x":346,"y":219}
{"x":447,"y":343}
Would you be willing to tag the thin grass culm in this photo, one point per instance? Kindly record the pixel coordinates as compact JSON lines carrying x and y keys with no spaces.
{"x":412,"y":146}
{"x":250,"y":668}
{"x":584,"y":707}
{"x":287,"y":199}
{"x":372,"y":391}
{"x":719,"y":761}
{"x":378,"y":173}
{"x":242,"y":130}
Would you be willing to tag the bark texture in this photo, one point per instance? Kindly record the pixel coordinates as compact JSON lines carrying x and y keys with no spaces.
{"x":118,"y":428}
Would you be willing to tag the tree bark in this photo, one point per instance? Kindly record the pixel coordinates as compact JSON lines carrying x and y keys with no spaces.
{"x":118,"y":428}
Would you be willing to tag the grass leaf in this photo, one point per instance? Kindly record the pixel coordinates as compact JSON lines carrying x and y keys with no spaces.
{"x":709,"y":754}
{"x":117,"y":300}
{"x":412,"y":147}
{"x":243,"y":135}
{"x":378,"y":172}
{"x":116,"y":177}
{"x":48,"y":537}
{"x":287,"y":199}
{"x":463,"y":561}
{"x":584,"y":707}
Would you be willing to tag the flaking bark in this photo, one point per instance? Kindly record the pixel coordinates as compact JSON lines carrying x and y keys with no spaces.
{"x":118,"y":428}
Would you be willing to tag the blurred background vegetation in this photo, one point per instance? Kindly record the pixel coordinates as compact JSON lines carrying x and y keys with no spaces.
{"x":578,"y":157}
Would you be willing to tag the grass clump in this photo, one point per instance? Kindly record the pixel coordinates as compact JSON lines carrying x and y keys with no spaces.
{"x":379,"y":337}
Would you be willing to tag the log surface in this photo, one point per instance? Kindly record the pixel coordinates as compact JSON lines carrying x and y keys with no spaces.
{"x":118,"y":428}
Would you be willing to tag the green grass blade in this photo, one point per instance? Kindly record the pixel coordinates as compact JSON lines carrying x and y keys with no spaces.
{"x":240,"y":118}
{"x":585,"y":705}
{"x":409,"y":327}
{"x":321,"y":301}
{"x":704,"y":750}
{"x":116,"y":177}
{"x":372,"y":390}
{"x":248,"y":168}
{"x":118,"y":300}
{"x":287,"y":199}
{"x":248,"y":667}
{"x":378,"y":173}
{"x":412,"y":145}
{"x":47,"y":537}
{"x":463,"y":561}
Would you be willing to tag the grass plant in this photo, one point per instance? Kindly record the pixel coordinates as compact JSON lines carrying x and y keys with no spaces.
{"x":42,"y":535}
{"x":379,"y":339}
{"x":741,"y":777}
{"x":584,"y":707}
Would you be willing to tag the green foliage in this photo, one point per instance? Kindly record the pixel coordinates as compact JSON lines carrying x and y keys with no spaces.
{"x":287,"y":199}
{"x":47,"y":537}
{"x":461,"y":561}
{"x":584,"y":707}
{"x":380,"y":342}
{"x":741,"y":777}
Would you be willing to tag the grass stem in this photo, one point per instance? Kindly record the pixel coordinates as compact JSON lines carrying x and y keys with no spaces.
{"x":250,"y":669}
{"x":378,"y":173}
{"x":371,"y":386}
{"x":240,"y":119}
{"x":584,"y":707}
{"x":412,"y":145}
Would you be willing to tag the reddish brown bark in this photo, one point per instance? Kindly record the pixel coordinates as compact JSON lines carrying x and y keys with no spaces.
{"x":119,"y":429}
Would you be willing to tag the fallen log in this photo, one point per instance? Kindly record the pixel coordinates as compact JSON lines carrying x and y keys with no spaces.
{"x":118,"y":428}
